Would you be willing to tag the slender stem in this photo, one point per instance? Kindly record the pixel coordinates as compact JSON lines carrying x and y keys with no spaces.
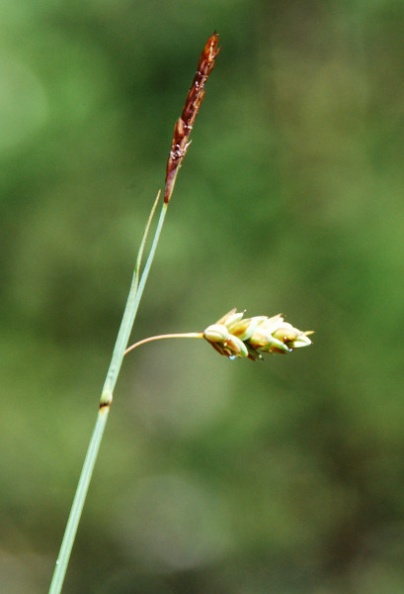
{"x":162,"y":337}
{"x":78,"y":502}
{"x":129,"y":315}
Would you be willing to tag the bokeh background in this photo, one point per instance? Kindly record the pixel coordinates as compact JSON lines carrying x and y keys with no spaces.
{"x":281,"y":477}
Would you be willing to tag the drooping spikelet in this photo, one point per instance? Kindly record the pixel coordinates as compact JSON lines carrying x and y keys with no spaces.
{"x":233,"y":336}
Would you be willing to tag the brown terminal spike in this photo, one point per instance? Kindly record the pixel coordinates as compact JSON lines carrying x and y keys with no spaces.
{"x":185,"y":122}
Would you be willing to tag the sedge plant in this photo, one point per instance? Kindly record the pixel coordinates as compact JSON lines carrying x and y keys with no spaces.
{"x":232,"y":335}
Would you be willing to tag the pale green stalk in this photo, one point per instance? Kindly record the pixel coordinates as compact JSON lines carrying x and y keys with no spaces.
{"x":129,"y":315}
{"x":163,"y":337}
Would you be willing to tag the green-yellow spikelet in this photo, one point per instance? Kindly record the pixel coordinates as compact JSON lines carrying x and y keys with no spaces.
{"x":233,"y":336}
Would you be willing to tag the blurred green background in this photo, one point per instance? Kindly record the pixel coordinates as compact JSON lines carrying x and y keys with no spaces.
{"x":281,"y":477}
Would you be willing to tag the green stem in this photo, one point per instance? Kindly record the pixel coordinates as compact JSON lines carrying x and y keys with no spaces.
{"x":129,"y":315}
{"x":78,"y":502}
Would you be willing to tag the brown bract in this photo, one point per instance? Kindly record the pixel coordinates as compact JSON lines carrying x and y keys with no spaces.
{"x":185,"y":122}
